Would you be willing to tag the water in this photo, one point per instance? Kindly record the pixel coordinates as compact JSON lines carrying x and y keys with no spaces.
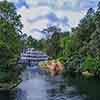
{"x":37,"y":85}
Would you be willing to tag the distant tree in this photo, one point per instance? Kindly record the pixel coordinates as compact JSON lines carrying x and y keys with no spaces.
{"x":98,"y":5}
{"x":90,"y":12}
{"x":49,"y":31}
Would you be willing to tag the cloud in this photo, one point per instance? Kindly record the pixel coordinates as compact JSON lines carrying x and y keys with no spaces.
{"x":38,"y":14}
{"x":67,"y":4}
{"x":85,"y":4}
{"x":37,"y":35}
{"x":72,"y":3}
{"x":39,"y":24}
{"x":39,"y":18}
{"x":73,"y":17}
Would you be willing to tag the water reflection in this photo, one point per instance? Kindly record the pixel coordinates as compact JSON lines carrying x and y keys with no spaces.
{"x":38,"y":86}
{"x":33,"y":86}
{"x":5,"y":95}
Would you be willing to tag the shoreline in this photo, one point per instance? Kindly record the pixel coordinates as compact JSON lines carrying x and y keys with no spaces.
{"x":9,"y":87}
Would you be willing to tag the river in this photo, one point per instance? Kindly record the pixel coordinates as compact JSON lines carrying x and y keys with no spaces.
{"x":37,"y":85}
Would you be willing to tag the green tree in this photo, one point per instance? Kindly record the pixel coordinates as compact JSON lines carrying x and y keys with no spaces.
{"x":89,"y":63}
{"x":10,"y":43}
{"x":31,"y":43}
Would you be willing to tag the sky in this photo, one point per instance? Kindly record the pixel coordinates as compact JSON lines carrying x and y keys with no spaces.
{"x":39,"y":14}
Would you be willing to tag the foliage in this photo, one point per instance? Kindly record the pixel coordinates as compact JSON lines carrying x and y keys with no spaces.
{"x":80,"y":48}
{"x":89,"y":63}
{"x":10,"y":41}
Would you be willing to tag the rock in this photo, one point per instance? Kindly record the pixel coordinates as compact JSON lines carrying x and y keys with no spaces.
{"x":87,"y":74}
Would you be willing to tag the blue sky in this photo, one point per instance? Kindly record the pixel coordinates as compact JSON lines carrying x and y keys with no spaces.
{"x":38,"y":14}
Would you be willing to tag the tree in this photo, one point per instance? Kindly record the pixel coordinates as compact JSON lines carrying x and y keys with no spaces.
{"x":31,"y":43}
{"x":49,"y":31}
{"x":10,"y":43}
{"x":89,"y":63}
{"x":10,"y":26}
{"x":98,"y":5}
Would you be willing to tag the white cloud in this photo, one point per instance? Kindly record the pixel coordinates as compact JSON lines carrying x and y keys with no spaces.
{"x":40,"y":24}
{"x":72,"y":3}
{"x":60,"y":2}
{"x":73,"y":16}
{"x":37,"y":35}
{"x":41,"y":8}
{"x":31,"y":2}
{"x":36,"y":2}
{"x":53,"y":3}
{"x":15,"y":1}
{"x":33,"y":13}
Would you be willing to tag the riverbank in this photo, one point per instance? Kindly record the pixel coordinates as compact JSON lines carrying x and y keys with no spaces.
{"x":84,"y":74}
{"x":55,"y":66}
{"x":9,"y":86}
{"x":16,"y":80}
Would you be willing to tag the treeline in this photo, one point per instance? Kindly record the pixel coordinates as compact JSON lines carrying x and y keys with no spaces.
{"x":79,"y":49}
{"x":10,"y":42}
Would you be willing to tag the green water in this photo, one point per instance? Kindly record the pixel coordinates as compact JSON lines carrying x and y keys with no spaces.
{"x":89,"y":87}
